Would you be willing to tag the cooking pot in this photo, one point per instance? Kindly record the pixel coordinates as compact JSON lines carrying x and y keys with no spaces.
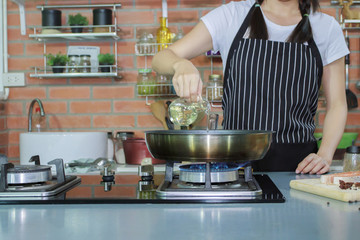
{"x":208,"y":145}
{"x":135,"y":151}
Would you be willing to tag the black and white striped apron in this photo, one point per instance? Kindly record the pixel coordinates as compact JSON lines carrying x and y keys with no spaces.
{"x":270,"y":85}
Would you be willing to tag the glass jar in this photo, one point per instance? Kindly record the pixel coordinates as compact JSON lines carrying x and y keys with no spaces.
{"x":352,"y":159}
{"x":163,"y":84}
{"x":146,"y":44}
{"x":73,"y":63}
{"x":85,"y":64}
{"x":215,"y":87}
{"x":145,"y":82}
{"x":119,"y":147}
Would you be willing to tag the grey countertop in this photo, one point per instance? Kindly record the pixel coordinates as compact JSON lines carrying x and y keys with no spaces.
{"x":302,"y":216}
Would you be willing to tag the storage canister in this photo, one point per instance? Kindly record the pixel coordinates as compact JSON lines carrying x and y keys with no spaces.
{"x":102,"y":16}
{"x":85,"y":63}
{"x":145,"y":82}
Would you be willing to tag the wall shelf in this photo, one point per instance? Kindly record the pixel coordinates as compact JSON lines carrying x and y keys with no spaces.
{"x":95,"y":33}
{"x":111,"y":35}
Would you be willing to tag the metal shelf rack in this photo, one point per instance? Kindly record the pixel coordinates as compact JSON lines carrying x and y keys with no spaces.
{"x":63,"y":33}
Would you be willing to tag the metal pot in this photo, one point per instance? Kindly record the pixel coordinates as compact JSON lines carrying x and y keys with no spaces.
{"x":208,"y":146}
{"x":135,"y":151}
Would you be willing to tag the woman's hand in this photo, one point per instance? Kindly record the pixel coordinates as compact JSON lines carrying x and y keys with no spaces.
{"x":187,"y":81}
{"x":314,"y":164}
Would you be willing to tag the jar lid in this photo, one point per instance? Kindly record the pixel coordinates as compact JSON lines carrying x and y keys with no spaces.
{"x":144,"y":70}
{"x":353,"y":149}
{"x":85,"y":55}
{"x":73,"y":55}
{"x":124,"y":134}
{"x":215,"y":77}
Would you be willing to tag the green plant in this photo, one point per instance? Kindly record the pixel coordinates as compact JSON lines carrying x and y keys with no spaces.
{"x":106,"y":59}
{"x":57,"y":60}
{"x":78,"y":19}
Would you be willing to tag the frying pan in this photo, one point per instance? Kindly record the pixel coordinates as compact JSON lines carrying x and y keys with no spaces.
{"x":208,"y":145}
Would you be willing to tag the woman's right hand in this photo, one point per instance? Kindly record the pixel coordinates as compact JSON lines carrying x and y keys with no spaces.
{"x":186,"y":80}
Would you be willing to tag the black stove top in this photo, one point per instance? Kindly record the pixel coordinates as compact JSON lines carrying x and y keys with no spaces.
{"x":145,"y":193}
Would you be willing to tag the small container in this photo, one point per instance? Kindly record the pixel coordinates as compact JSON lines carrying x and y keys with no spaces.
{"x":85,"y":64}
{"x":163,"y":84}
{"x":145,"y":82}
{"x":215,"y":87}
{"x":146,"y":44}
{"x":73,"y":63}
{"x":119,"y":147}
{"x":352,"y":159}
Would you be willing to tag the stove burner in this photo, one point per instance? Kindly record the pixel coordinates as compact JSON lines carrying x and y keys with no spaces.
{"x":214,"y":167}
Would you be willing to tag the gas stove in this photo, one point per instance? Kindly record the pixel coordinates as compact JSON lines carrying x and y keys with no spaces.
{"x":193,"y":183}
{"x":34,"y":182}
{"x":210,"y":181}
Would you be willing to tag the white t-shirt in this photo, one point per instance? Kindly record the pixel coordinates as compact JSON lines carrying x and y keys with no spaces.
{"x":224,"y":22}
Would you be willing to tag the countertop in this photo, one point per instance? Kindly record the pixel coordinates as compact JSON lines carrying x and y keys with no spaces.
{"x":302,"y":216}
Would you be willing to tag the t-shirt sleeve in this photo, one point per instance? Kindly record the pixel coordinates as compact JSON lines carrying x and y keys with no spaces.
{"x":217,"y":22}
{"x":336,"y":47}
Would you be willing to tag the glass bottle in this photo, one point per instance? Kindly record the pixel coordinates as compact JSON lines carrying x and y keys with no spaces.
{"x":145,"y":82}
{"x":163,"y":34}
{"x":215,"y":87}
{"x":85,"y":63}
{"x":119,"y":147}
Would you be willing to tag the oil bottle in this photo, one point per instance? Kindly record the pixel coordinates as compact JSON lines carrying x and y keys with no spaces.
{"x":163,"y":34}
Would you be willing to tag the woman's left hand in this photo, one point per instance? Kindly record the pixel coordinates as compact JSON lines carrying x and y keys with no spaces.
{"x":313,"y":164}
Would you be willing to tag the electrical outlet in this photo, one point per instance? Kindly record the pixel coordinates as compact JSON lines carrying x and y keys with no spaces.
{"x":13,"y":79}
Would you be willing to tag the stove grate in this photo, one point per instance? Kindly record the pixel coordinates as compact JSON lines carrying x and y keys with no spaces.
{"x":214,"y":167}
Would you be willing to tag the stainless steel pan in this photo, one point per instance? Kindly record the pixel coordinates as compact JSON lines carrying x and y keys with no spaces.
{"x":208,"y":146}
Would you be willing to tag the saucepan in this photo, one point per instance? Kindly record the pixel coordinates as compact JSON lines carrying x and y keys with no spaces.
{"x":208,"y":145}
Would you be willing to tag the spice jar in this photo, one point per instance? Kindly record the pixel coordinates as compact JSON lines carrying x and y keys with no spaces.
{"x":85,"y":63}
{"x":163,"y":84}
{"x":352,"y":159}
{"x":145,"y":82}
{"x":215,"y":87}
{"x":146,"y":44}
{"x":73,"y":63}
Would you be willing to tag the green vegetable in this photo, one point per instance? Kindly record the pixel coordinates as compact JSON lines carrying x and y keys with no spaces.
{"x":78,"y":19}
{"x":57,"y":60}
{"x":106,"y":59}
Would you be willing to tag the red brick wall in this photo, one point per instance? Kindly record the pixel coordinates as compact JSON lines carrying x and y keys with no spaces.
{"x":107,"y":104}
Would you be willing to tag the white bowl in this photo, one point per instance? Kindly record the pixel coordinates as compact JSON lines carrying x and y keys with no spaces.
{"x":69,"y":146}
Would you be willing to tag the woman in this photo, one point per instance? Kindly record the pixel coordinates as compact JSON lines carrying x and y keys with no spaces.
{"x":275,"y":55}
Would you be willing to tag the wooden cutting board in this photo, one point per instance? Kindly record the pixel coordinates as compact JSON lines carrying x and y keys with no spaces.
{"x":333,"y":191}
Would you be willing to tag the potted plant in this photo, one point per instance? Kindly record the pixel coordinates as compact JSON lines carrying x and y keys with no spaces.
{"x":57,"y":60}
{"x":77,"y":20}
{"x":106,"y":59}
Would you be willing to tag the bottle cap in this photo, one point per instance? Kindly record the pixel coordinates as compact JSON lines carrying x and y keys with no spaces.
{"x":353,"y":149}
{"x":37,"y":110}
{"x":215,"y":77}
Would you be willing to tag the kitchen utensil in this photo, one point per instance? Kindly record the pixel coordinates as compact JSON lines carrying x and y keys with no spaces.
{"x":333,"y":191}
{"x":159,"y":111}
{"x":98,"y":163}
{"x":351,"y":98}
{"x":208,"y":146}
{"x":135,"y":151}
